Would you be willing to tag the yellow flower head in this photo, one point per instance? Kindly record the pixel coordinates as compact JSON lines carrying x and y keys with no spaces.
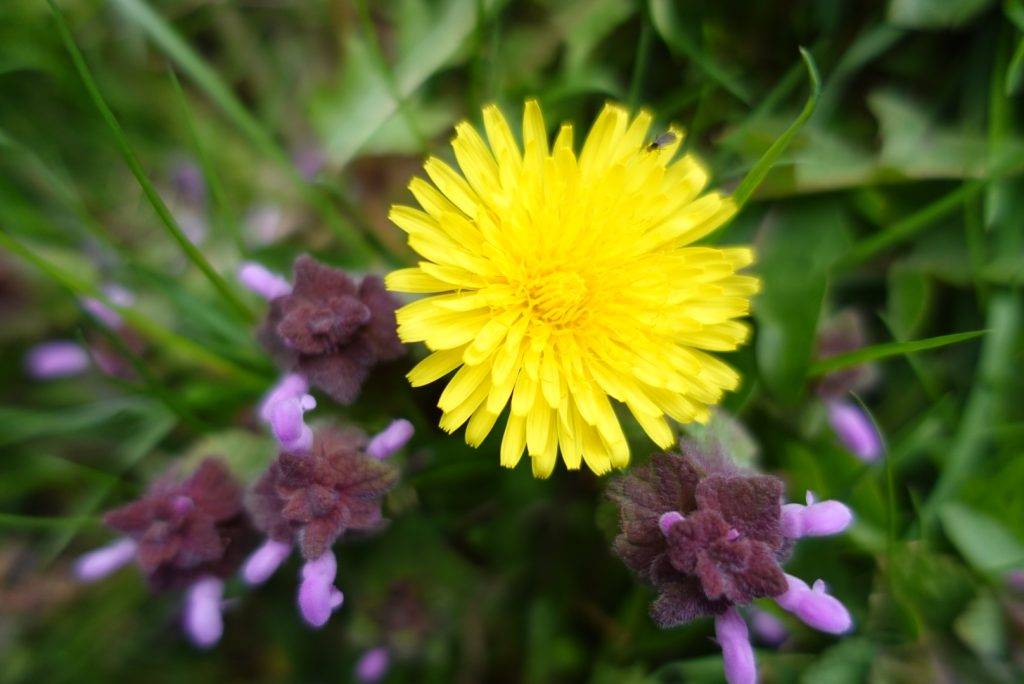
{"x":559,"y":280}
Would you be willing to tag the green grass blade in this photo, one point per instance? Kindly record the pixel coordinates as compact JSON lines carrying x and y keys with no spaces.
{"x":907,"y":228}
{"x":34,"y":522}
{"x":757,"y":174}
{"x":167,"y":39}
{"x":663,"y":18}
{"x":223,"y":209}
{"x":887,"y":350}
{"x":124,"y":147}
{"x":182,"y":348}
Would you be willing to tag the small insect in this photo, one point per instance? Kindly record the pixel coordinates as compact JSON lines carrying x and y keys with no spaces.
{"x":662,"y":141}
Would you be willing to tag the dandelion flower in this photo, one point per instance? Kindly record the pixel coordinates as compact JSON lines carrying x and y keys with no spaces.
{"x":559,"y":280}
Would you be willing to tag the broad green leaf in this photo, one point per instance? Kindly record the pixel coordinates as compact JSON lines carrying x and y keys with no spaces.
{"x":797,"y":246}
{"x":982,"y":540}
{"x":981,"y":627}
{"x":848,"y":662}
{"x":889,"y":349}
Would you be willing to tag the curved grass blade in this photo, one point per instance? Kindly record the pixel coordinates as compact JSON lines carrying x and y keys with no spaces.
{"x":353,"y":236}
{"x":757,"y":174}
{"x":124,"y":147}
{"x":884,"y":351}
{"x":181,"y":347}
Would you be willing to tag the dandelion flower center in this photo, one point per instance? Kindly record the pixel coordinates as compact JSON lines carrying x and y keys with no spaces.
{"x":560,"y":282}
{"x":558,"y":298}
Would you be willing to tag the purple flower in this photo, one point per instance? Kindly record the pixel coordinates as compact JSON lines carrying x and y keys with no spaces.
{"x":309,"y":161}
{"x":202,"y":619}
{"x":118,"y":296}
{"x":844,"y":332}
{"x":710,"y":537}
{"x":737,"y":654}
{"x":816,"y":519}
{"x":768,"y":629}
{"x":187,"y":529}
{"x":373,"y":665}
{"x":310,"y":498}
{"x":265,"y":561}
{"x":188,"y":182}
{"x":57,"y":359}
{"x":332,"y":331}
{"x":814,"y":606}
{"x":265,"y":283}
{"x":104,"y":561}
{"x":186,"y":533}
{"x":855,"y":430}
{"x":391,"y":439}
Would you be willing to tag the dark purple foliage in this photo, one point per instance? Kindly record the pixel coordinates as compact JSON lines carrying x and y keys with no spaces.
{"x":186,"y":529}
{"x":312,"y":499}
{"x":726,"y":549}
{"x":331,"y":330}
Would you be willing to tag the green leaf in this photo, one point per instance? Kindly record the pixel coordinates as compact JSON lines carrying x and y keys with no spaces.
{"x":909,"y":294}
{"x":125,"y":148}
{"x":799,"y":243}
{"x":673,"y":31}
{"x":884,"y":351}
{"x":981,"y":627}
{"x":348,"y":116}
{"x":982,"y":540}
{"x":754,"y":177}
{"x":935,"y":14}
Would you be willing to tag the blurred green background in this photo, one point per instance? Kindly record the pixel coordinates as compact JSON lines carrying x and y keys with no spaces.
{"x":300,"y":122}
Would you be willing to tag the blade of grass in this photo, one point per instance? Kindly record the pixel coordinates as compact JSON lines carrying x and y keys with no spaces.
{"x":643,"y":54}
{"x":910,"y":226}
{"x":124,"y":147}
{"x":154,"y":427}
{"x":223,"y":209}
{"x":757,"y":174}
{"x":33,"y":522}
{"x":664,"y":20}
{"x":168,"y":40}
{"x":182,"y":348}
{"x":889,"y":349}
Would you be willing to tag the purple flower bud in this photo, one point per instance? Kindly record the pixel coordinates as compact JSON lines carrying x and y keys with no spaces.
{"x":391,"y":439}
{"x":118,"y":296}
{"x":855,"y":430}
{"x":286,"y":421}
{"x":318,"y":597}
{"x":202,"y":620}
{"x":737,"y":654}
{"x":258,"y":279}
{"x":309,"y":161}
{"x":373,"y":665}
{"x":1015,"y":580}
{"x":265,"y":561}
{"x":290,"y":386}
{"x":188,"y":182}
{"x":57,"y":359}
{"x":97,"y":564}
{"x":816,"y":519}
{"x":768,"y":629}
{"x":667,"y":520}
{"x":814,"y":606}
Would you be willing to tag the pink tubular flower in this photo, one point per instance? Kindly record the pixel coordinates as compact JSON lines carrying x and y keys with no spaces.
{"x":202,"y":619}
{"x":816,"y":519}
{"x":104,"y":561}
{"x":737,"y":654}
{"x":711,"y":537}
{"x":318,"y":597}
{"x":265,"y":561}
{"x":263,"y":282}
{"x":768,"y":629}
{"x":118,"y":296}
{"x":855,"y":430}
{"x":815,"y":606}
{"x":57,"y":359}
{"x":284,"y":408}
{"x":373,"y":665}
{"x":391,"y":439}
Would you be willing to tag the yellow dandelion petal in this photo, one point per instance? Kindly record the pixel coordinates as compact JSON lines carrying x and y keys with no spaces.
{"x":562,"y":283}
